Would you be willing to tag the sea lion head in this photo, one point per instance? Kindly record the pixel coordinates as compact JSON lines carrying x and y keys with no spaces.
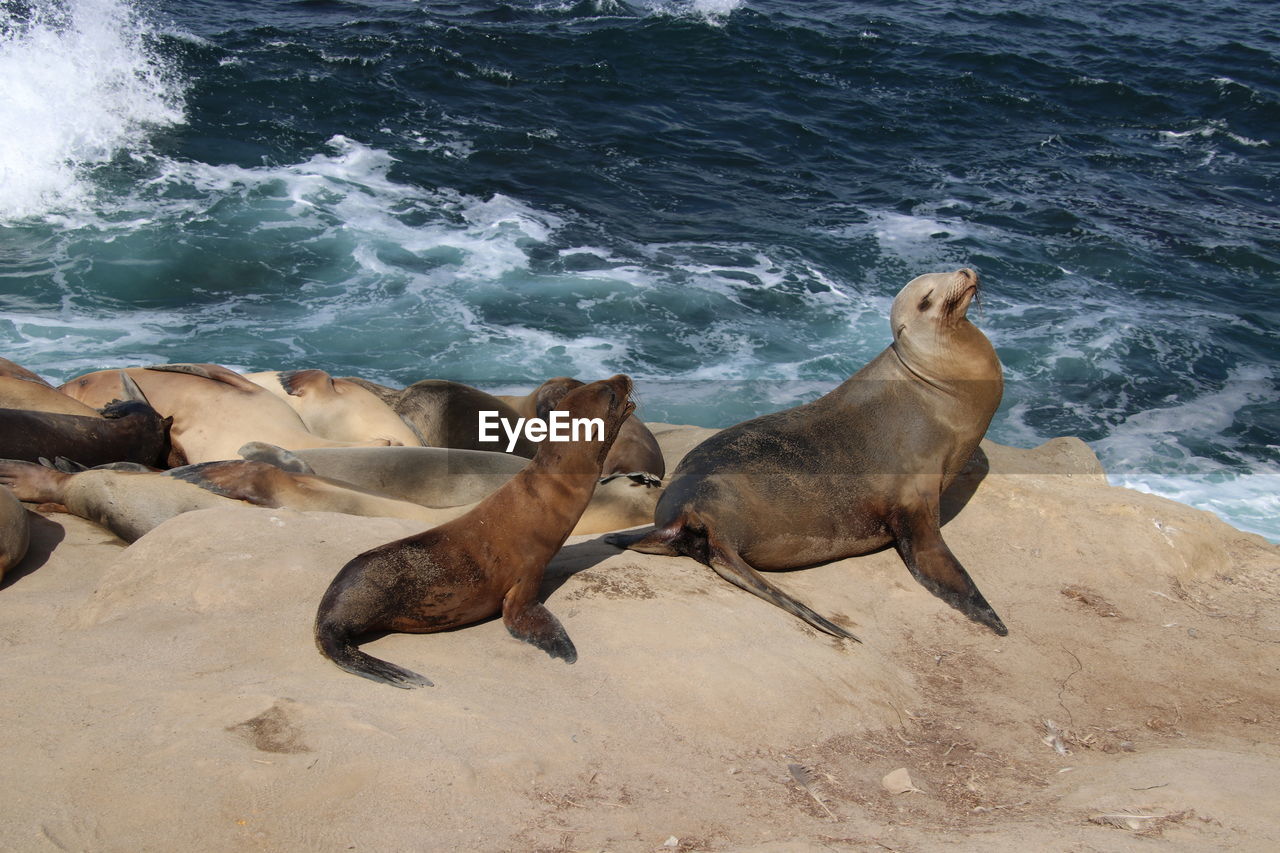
{"x":932,"y":334}
{"x":607,"y":399}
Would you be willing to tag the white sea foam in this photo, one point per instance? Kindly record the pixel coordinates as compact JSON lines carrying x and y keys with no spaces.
{"x":80,"y":85}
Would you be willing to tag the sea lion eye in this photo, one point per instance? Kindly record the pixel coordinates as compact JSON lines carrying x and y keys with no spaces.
{"x":925,"y":303}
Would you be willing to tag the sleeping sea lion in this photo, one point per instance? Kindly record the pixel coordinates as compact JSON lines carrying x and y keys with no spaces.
{"x":129,"y":431}
{"x":215,"y":410}
{"x":335,"y":408}
{"x":859,"y":468}
{"x":488,"y":561}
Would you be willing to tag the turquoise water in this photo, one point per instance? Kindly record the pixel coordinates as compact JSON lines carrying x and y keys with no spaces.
{"x":718,"y":198}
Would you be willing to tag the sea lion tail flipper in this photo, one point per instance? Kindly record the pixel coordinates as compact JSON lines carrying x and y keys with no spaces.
{"x":336,"y":645}
{"x":919,"y":542}
{"x":729,"y":564}
{"x":538,"y":626}
{"x":286,"y":460}
{"x":647,"y":540}
{"x":297,"y":382}
{"x":31,"y":482}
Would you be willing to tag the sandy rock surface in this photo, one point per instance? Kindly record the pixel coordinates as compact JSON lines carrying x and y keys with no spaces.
{"x":168,"y":695}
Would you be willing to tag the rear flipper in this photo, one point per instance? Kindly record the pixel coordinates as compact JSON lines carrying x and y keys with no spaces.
{"x":729,"y":564}
{"x":919,"y":542}
{"x":338,"y":648}
{"x":285,"y":460}
{"x":648,"y":540}
{"x":537,"y":626}
{"x":31,"y":482}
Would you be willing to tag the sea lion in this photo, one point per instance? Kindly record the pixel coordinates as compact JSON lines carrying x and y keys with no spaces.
{"x":447,"y":414}
{"x":17,"y":393}
{"x":430,"y":476}
{"x":635,"y":454}
{"x":15,"y":531}
{"x":440,"y":477}
{"x":13,"y":370}
{"x":490,"y":560}
{"x":125,"y":431}
{"x":856,"y":469}
{"x":335,"y":408}
{"x":131,"y":503}
{"x":215,"y":410}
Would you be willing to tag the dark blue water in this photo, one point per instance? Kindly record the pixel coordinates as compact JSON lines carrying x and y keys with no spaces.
{"x":720,"y":198}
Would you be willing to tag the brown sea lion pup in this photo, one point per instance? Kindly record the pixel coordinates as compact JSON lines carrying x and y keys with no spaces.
{"x":335,"y":408}
{"x":15,"y":531}
{"x":128,"y":431}
{"x":635,"y":454}
{"x":859,"y":468}
{"x":215,"y":410}
{"x":490,"y":560}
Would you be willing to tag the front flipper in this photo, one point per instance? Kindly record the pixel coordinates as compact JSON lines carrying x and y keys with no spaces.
{"x":729,"y":564}
{"x":215,"y":372}
{"x":537,"y":626}
{"x":919,"y":542}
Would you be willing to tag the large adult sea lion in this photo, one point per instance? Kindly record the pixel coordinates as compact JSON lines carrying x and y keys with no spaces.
{"x":488,"y":561}
{"x":215,"y":410}
{"x":861,"y":467}
{"x":335,"y":408}
{"x":635,"y":454}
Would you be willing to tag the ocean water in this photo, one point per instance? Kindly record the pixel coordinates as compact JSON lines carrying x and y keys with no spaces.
{"x":718,"y":197}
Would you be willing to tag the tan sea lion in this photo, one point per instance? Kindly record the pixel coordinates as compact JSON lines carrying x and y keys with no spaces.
{"x":859,"y":468}
{"x":16,"y":393}
{"x":215,"y":410}
{"x":440,"y":477}
{"x":488,"y":561}
{"x":131,"y":503}
{"x":336,"y":408}
{"x":15,"y":531}
{"x":635,"y":454}
{"x":429,"y":476}
{"x":13,"y":370}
